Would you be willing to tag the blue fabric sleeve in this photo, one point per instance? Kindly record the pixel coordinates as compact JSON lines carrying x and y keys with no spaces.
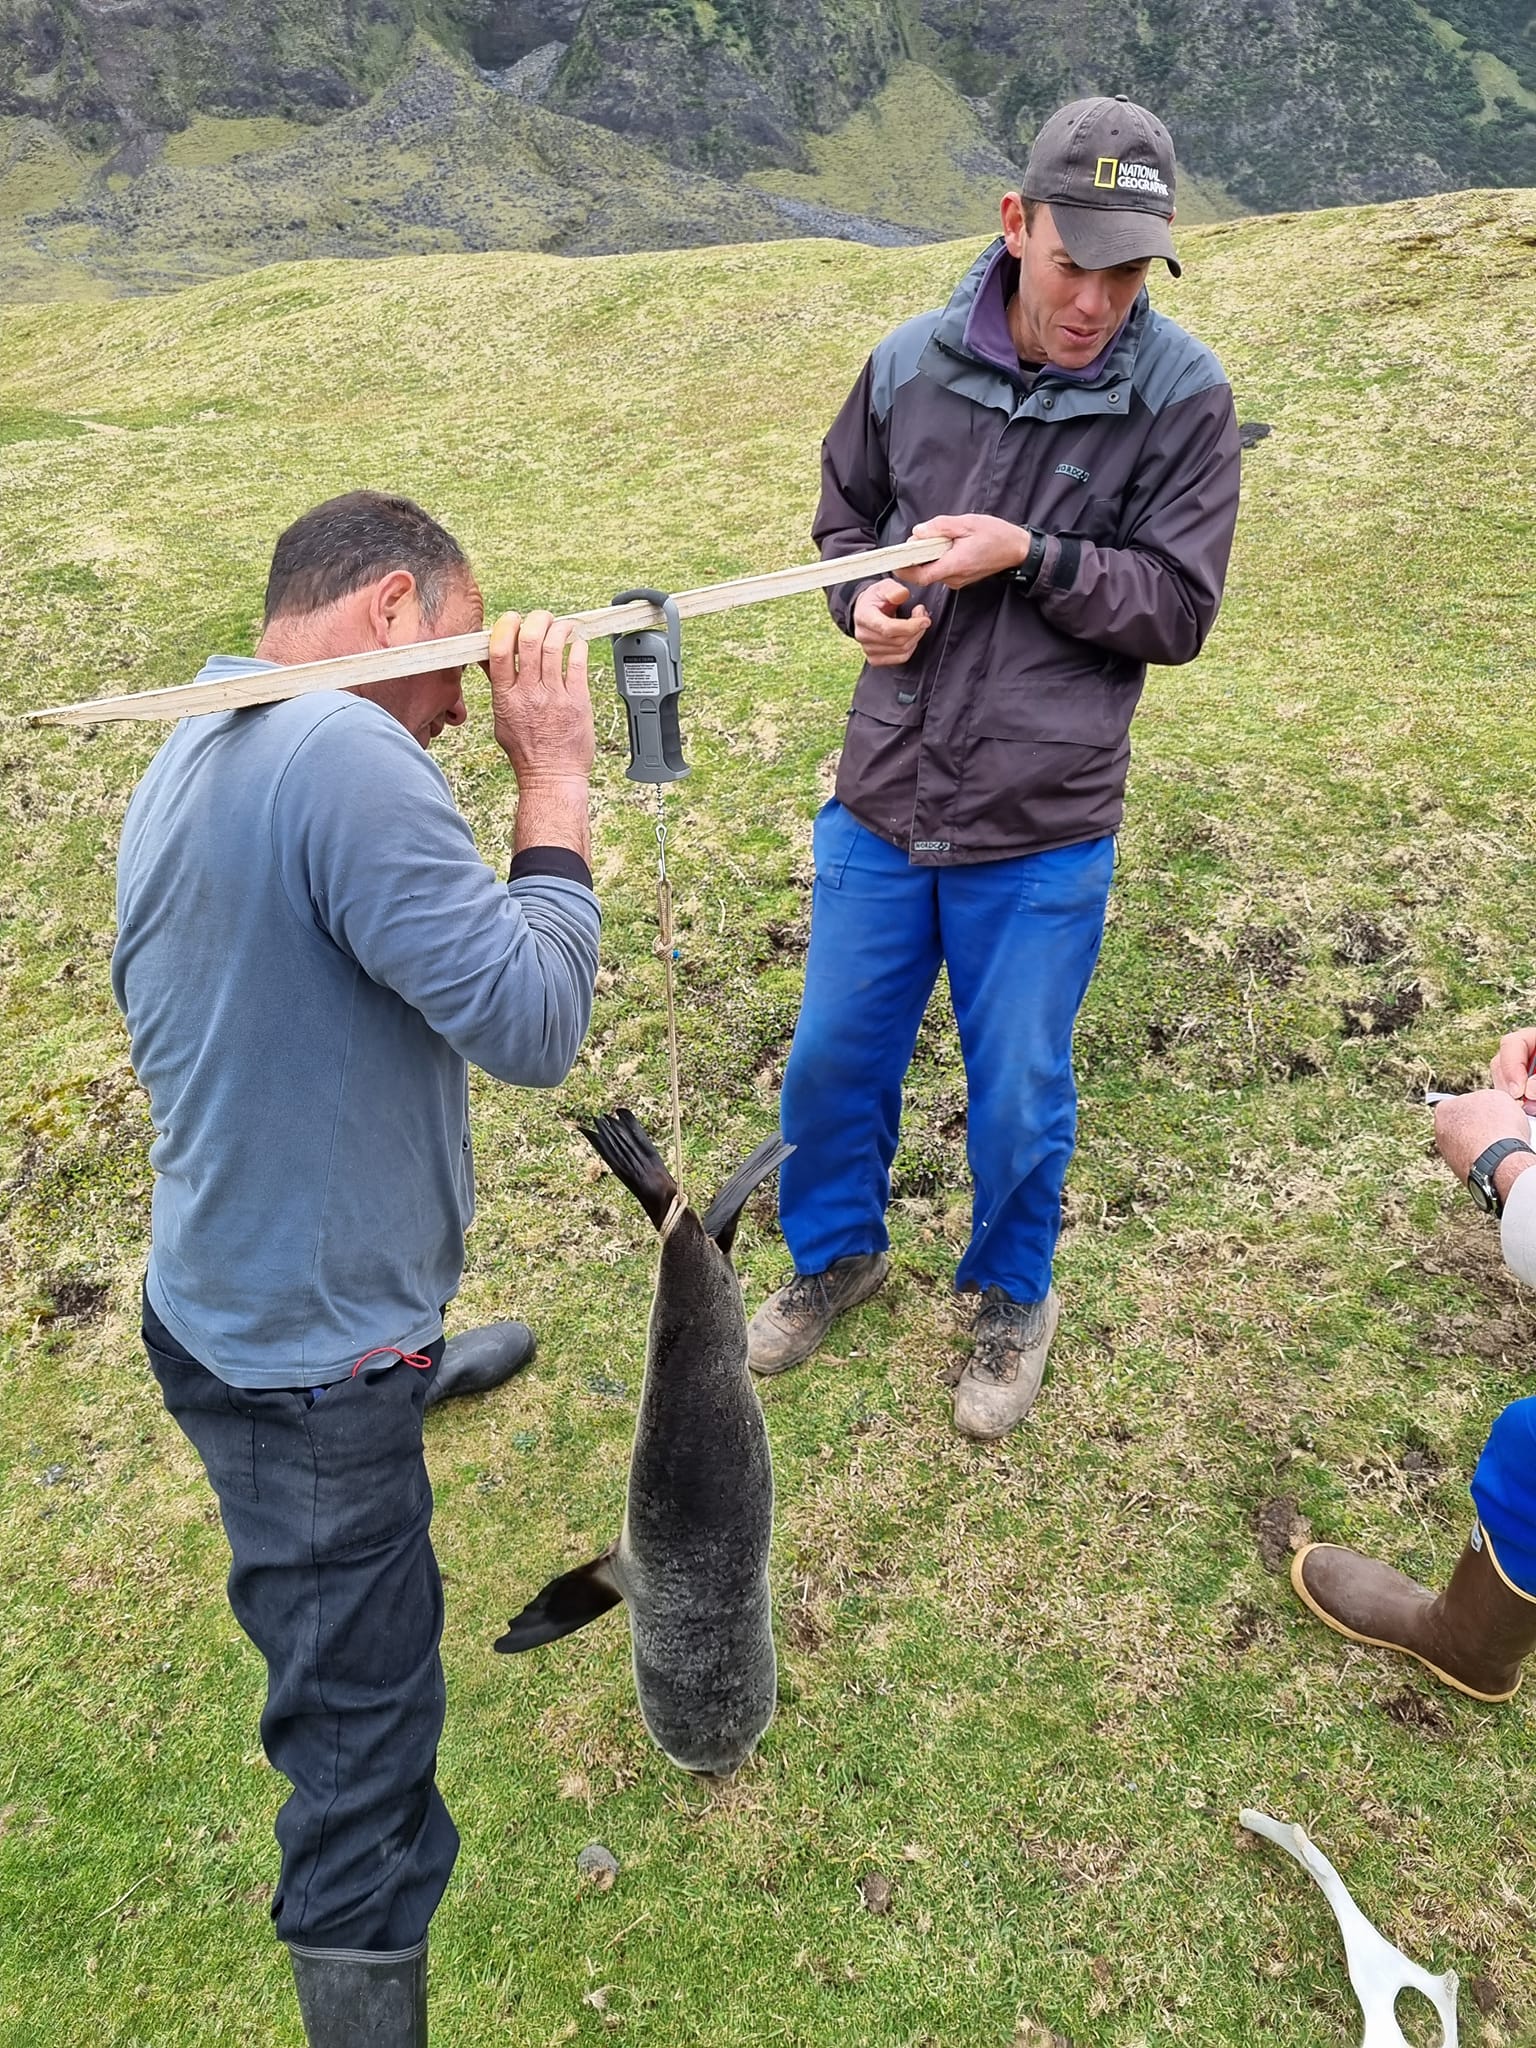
{"x":1504,"y":1491}
{"x":373,"y":851}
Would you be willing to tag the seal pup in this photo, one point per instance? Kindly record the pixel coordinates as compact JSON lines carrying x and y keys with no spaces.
{"x":691,"y":1562}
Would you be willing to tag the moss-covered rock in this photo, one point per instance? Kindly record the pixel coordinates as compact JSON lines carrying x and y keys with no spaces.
{"x":732,"y":86}
{"x":1286,"y":102}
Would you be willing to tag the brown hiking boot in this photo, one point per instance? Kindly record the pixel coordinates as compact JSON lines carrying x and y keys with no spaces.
{"x":1002,"y":1376}
{"x":1472,"y":1636}
{"x":791,"y":1323}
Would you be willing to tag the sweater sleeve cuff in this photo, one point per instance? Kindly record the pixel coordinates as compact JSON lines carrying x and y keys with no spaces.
{"x":560,"y":861}
{"x":1517,"y":1229}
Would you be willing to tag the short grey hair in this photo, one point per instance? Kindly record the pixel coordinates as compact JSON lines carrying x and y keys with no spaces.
{"x":350,"y":542}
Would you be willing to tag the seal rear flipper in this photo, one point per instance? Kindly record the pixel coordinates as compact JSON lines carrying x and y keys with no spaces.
{"x":565,"y":1605}
{"x":620,"y":1142}
{"x":725,"y":1210}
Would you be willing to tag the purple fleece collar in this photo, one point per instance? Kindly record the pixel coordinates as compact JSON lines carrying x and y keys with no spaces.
{"x":989,"y":337}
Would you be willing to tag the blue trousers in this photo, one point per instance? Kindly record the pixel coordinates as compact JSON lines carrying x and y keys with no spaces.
{"x":326,"y":1503}
{"x":1019,"y":939}
{"x":1504,"y":1494}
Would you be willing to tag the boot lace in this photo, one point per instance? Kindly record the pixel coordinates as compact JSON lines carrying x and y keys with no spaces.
{"x":1003,"y":1330}
{"x":806,"y":1295}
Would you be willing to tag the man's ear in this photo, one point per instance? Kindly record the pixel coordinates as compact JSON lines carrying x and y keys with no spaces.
{"x":394,"y":608}
{"x":1013,"y":223}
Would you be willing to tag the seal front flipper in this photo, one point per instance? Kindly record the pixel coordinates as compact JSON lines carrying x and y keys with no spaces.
{"x":565,"y":1605}
{"x":725,"y":1210}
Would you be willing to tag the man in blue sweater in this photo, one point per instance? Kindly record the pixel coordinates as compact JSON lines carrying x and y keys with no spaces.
{"x":310,"y":952}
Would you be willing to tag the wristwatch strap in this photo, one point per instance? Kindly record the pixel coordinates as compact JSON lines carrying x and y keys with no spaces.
{"x":1029,"y":569}
{"x":1483,"y":1168}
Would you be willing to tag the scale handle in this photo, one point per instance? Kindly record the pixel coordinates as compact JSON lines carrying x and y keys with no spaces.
{"x":655,"y":743}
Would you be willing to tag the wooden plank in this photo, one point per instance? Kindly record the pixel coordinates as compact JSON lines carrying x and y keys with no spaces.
{"x":463,"y":650}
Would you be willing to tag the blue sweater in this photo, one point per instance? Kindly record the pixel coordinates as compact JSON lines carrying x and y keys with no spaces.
{"x":310,"y":948}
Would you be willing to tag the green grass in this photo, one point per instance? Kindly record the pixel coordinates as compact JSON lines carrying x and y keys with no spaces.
{"x":38,"y":169}
{"x":1496,"y":80}
{"x":223,"y":139}
{"x":914,"y":154}
{"x":917,"y":154}
{"x":1030,"y":1684}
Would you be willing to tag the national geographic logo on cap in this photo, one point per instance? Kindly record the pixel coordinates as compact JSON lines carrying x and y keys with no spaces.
{"x":1105,"y":168}
{"x":1113,"y":174}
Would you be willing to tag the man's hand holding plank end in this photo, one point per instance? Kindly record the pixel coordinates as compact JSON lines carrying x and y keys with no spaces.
{"x":543,"y":713}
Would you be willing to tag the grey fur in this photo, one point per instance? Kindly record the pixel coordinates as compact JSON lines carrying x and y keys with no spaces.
{"x":691,"y":1562}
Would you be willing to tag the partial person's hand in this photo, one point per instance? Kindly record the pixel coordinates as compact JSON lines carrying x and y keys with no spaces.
{"x":886,"y":633}
{"x":543,"y":712}
{"x":1512,"y":1063}
{"x":981,"y":546}
{"x":1466,"y":1125}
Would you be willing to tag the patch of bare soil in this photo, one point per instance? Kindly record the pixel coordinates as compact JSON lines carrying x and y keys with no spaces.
{"x":1413,"y":1709}
{"x":1281,"y":1529}
{"x":1250,"y":1625}
{"x":1381,"y":1016}
{"x":75,"y":1298}
{"x":1274,"y":952}
{"x":1362,"y":942}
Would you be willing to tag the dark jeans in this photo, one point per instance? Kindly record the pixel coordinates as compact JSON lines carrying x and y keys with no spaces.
{"x":327,"y":1507}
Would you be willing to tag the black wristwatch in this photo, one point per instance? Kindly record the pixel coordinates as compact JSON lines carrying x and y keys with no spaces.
{"x":1480,"y":1173}
{"x":1029,"y":569}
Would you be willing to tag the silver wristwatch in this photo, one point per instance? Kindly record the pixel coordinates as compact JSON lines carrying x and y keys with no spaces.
{"x":1480,"y":1173}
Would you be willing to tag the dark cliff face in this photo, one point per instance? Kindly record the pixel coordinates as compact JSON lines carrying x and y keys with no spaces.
{"x":717,"y":88}
{"x":500,"y":33}
{"x":1285,"y":102}
{"x":730,"y":87}
{"x":108,"y":73}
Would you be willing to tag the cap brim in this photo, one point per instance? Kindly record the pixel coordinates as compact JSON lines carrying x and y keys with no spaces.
{"x":1098,"y":237}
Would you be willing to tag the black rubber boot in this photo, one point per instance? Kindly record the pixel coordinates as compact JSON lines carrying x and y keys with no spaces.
{"x":353,"y":1998}
{"x":477,"y":1360}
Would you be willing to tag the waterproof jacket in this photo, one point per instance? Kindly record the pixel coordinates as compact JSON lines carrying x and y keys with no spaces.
{"x":1008,"y":731}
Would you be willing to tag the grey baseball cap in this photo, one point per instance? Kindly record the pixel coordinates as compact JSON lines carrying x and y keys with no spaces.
{"x":1105,"y":168}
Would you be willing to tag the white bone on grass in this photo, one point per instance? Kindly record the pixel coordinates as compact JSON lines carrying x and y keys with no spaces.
{"x":1377,"y":1970}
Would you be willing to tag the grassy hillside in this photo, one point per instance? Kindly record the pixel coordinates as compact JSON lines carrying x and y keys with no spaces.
{"x":1030,"y":1685}
{"x":436,"y":161}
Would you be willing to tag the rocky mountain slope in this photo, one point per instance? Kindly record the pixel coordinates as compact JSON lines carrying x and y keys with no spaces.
{"x":147,"y":143}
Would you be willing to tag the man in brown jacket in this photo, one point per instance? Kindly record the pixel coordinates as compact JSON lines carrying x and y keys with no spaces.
{"x":1092,"y":447}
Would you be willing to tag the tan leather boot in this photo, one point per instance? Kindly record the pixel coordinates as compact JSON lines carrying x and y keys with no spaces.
{"x":1472,"y":1636}
{"x":791,"y":1323}
{"x":1002,"y":1376}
